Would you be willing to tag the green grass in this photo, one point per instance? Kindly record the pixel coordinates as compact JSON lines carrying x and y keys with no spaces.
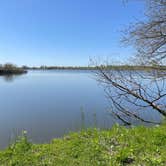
{"x":92,"y":147}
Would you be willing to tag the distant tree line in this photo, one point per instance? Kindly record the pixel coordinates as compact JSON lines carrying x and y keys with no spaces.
{"x":106,"y":67}
{"x":9,"y":69}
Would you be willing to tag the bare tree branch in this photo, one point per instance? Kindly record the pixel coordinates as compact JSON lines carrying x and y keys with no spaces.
{"x":149,"y":36}
{"x":133,"y":92}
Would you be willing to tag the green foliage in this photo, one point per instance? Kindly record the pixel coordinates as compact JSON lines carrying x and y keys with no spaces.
{"x":92,"y":147}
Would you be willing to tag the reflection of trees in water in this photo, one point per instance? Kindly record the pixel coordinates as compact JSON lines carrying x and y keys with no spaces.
{"x":9,"y":78}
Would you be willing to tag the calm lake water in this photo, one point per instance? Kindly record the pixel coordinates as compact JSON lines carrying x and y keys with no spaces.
{"x":49,"y":104}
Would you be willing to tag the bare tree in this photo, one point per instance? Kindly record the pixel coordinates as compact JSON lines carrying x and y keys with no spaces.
{"x":149,"y":36}
{"x":135,"y":93}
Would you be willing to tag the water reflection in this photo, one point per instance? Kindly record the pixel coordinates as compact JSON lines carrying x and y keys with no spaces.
{"x":11,"y":77}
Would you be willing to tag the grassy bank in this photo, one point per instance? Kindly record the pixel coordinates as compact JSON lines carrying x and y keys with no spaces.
{"x":118,"y":146}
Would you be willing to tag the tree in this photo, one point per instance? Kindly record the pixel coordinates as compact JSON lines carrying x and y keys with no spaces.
{"x":9,"y":66}
{"x":133,"y":94}
{"x":149,"y":36}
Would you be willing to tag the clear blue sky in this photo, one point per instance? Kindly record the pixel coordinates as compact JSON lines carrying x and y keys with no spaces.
{"x":64,"y":32}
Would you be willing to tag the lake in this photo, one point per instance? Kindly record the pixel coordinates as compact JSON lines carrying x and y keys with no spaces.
{"x":50,"y":104}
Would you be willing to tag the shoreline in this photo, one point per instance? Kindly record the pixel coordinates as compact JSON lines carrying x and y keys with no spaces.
{"x":4,"y":72}
{"x":118,"y":146}
{"x":119,"y":67}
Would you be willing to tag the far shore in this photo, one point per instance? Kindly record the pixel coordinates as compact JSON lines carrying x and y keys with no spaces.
{"x":111,"y":67}
{"x":12,"y":71}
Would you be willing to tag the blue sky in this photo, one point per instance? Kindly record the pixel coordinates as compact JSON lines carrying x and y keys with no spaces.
{"x":64,"y":32}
